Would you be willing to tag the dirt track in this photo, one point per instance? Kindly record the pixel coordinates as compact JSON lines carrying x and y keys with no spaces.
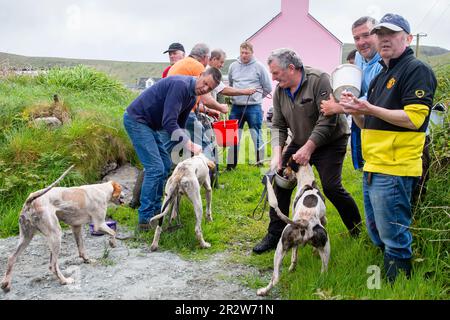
{"x":120,"y":273}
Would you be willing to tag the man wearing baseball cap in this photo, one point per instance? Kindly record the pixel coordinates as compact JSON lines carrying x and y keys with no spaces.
{"x":393,"y":121}
{"x":176,"y":53}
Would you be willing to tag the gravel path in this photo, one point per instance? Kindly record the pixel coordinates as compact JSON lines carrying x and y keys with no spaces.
{"x":120,"y":273}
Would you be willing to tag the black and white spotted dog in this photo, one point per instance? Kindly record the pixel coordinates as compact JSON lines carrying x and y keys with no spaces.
{"x":306,"y":227}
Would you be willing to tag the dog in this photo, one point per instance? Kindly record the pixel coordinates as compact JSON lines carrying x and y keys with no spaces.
{"x":74,"y":206}
{"x":307,"y":226}
{"x":186,"y":179}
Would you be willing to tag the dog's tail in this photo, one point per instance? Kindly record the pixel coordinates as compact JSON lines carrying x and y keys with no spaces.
{"x":165,"y":208}
{"x":274,"y":204}
{"x":39,"y":193}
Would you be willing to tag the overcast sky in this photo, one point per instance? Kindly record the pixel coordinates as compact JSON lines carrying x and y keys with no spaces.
{"x":140,"y":30}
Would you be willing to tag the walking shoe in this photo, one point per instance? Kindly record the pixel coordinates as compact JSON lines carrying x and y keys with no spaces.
{"x":268,"y":243}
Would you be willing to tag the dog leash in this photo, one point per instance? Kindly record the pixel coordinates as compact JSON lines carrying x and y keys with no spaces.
{"x":263,"y":198}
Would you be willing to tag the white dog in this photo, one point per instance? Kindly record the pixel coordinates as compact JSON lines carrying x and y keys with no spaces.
{"x":307,"y":226}
{"x":74,"y":206}
{"x":186,"y":179}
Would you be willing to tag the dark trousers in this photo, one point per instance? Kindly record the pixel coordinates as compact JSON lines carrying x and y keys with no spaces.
{"x":328,"y":161}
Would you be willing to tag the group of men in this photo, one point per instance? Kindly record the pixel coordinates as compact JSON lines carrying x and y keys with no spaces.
{"x":387,"y":133}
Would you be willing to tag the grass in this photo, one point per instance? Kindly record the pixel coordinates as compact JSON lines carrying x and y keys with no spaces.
{"x":236,"y":230}
{"x":32,"y":157}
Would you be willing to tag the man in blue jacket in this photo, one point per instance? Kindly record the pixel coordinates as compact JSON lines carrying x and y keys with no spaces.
{"x":163,"y":106}
{"x":367,"y":59}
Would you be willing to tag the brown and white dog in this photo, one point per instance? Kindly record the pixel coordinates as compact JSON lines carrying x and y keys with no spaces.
{"x":306,"y":227}
{"x":187,"y":178}
{"x":74,"y":206}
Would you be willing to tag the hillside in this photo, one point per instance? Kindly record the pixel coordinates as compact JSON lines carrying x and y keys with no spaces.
{"x":425,"y":51}
{"x":126,"y":72}
{"x":129,"y":72}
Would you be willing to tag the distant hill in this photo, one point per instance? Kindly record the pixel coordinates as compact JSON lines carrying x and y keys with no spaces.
{"x":426,"y":52}
{"x":127,"y":72}
{"x":130,"y":72}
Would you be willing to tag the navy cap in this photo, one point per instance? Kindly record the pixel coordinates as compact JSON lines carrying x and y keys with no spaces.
{"x":174,"y":47}
{"x":392,"y":22}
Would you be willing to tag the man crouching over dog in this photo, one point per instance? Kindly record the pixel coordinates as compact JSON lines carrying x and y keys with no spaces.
{"x":163,"y":106}
{"x":316,"y":139}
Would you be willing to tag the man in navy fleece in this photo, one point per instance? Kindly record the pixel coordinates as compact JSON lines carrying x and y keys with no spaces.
{"x":163,"y":106}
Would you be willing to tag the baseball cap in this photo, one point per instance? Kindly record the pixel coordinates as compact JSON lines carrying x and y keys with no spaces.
{"x":392,"y":22}
{"x":174,"y":47}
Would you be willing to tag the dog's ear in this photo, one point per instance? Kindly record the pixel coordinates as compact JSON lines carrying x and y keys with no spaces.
{"x":117,"y":189}
{"x":293,"y":165}
{"x":211,"y":164}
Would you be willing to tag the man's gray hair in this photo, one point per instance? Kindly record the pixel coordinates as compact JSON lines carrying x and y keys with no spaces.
{"x":218,"y":53}
{"x":215,"y":73}
{"x":285,"y":57}
{"x":363,"y":20}
{"x":199,"y":50}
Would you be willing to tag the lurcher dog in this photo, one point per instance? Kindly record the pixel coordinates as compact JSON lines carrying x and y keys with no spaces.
{"x":187,"y":178}
{"x":75,"y":206}
{"x":306,"y":227}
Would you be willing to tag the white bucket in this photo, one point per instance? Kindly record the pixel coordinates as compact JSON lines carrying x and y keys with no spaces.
{"x":346,"y":77}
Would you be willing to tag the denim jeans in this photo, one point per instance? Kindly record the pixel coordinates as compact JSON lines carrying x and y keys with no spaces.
{"x":253,"y":116}
{"x":156,"y":161}
{"x":388,"y":212}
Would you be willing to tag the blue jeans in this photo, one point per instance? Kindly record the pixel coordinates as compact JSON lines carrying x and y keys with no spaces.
{"x":253,"y":116}
{"x":388,"y":212}
{"x":156,"y":161}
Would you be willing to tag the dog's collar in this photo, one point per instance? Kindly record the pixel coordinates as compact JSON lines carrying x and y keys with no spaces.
{"x":302,"y":191}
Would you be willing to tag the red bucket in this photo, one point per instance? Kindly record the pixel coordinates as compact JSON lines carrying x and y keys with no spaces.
{"x":227,"y":132}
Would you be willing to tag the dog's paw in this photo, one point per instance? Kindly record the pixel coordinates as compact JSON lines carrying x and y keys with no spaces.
{"x":89,"y":261}
{"x":209,"y":218}
{"x":6,"y":286}
{"x":292,"y":267}
{"x":67,"y":281}
{"x":153,"y":248}
{"x":262,"y":292}
{"x":112,"y":243}
{"x":205,"y":245}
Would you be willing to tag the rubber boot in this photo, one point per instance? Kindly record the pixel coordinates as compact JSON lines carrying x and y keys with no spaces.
{"x":135,"y":201}
{"x":393,"y":266}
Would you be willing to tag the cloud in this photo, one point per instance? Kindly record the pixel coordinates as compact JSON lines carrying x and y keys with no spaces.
{"x":140,"y":30}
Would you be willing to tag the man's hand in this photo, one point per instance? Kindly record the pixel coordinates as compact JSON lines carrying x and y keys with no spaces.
{"x":213,"y":113}
{"x":354,"y":106}
{"x":303,"y":155}
{"x":248,"y":91}
{"x":223,"y":108}
{"x":331,"y":106}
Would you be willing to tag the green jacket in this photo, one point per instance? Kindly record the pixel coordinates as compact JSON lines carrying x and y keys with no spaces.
{"x":302,"y":116}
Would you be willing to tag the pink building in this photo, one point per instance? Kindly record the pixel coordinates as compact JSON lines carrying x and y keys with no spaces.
{"x":296,"y":29}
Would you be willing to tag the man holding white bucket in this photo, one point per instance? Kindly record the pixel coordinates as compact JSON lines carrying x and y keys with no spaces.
{"x":393,"y":120}
{"x":366,"y":59}
{"x":316,"y":139}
